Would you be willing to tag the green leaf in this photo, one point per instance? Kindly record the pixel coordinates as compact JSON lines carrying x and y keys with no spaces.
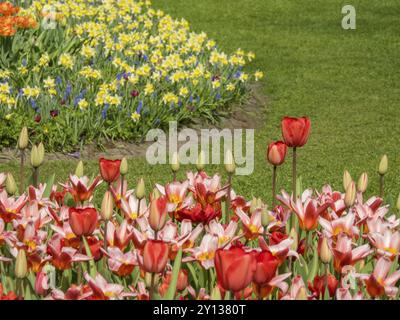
{"x":313,"y":265}
{"x":49,"y":185}
{"x":194,"y":276}
{"x":92,"y":266}
{"x":174,"y":278}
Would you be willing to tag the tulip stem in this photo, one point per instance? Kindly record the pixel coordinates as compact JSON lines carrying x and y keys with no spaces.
{"x":122,"y":185}
{"x":105,"y":235}
{"x":326,"y":279}
{"x":152,"y":284}
{"x":21,"y":172}
{"x":294,"y":174}
{"x":174,"y":176}
{"x":381,"y":185}
{"x":35,"y":177}
{"x":273,"y":186}
{"x":228,"y":198}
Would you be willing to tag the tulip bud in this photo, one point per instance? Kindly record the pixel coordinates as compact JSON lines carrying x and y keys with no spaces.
{"x":11,"y":186}
{"x":158,"y":213}
{"x":35,"y":157}
{"x":107,"y":206}
{"x":398,"y":203}
{"x":265,"y":218}
{"x":346,"y":179}
{"x":350,"y":196}
{"x":175,"y":162}
{"x":21,"y":265}
{"x":293,"y":234}
{"x":156,"y":194}
{"x":325,"y":253}
{"x":215,"y":294}
{"x":200,"y":164}
{"x":23,"y":139}
{"x":301,"y":294}
{"x":41,"y":151}
{"x":362,"y":182}
{"x":79,"y":169}
{"x":253,"y":205}
{"x":383,"y":165}
{"x":229,"y":162}
{"x":140,"y":189}
{"x":123,"y":169}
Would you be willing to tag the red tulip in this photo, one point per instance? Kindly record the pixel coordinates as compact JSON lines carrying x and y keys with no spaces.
{"x":266,"y":266}
{"x":83,"y":221}
{"x":295,"y":131}
{"x":158,"y":213}
{"x":276,"y":153}
{"x":235,"y":268}
{"x":109,"y":169}
{"x":155,"y":256}
{"x":318,"y":286}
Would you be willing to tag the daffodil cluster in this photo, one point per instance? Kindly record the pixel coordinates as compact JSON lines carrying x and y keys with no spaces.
{"x":117,"y":64}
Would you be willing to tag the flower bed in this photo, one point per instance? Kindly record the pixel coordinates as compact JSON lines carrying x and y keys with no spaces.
{"x":196,"y":238}
{"x":108,"y":70}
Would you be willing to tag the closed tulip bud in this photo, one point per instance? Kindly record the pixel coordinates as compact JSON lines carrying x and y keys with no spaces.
{"x":35,"y":158}
{"x":383,"y":165}
{"x":107,"y":206}
{"x":398,"y":203}
{"x":216,"y":294}
{"x":21,"y":265}
{"x":362,"y":182}
{"x":350,"y":196}
{"x":230,"y":165}
{"x":265,"y":218}
{"x":11,"y":186}
{"x":158,"y":213}
{"x":23,"y":139}
{"x":123,"y":169}
{"x":140,"y":189}
{"x":325,"y":253}
{"x":41,"y":151}
{"x":346,"y":179}
{"x":276,"y":153}
{"x":79,"y":169}
{"x":301,"y":294}
{"x":293,"y":234}
{"x":175,"y":162}
{"x":200,"y":161}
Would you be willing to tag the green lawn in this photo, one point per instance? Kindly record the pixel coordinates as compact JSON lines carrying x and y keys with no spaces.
{"x":346,"y":81}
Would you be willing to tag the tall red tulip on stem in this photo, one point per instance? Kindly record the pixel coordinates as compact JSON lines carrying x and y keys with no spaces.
{"x":276,"y":154}
{"x":235,"y":268}
{"x":109,"y":169}
{"x":83,"y":221}
{"x":295,"y":132}
{"x":155,"y":258}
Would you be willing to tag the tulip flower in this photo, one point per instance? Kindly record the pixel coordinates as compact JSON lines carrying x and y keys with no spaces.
{"x":266,"y":266}
{"x":21,"y":265}
{"x":346,"y":179}
{"x":140,"y":189}
{"x":387,"y":243}
{"x":252,"y":225}
{"x":120,"y":263}
{"x":320,"y":284}
{"x":308,"y":213}
{"x":344,"y":255}
{"x":102,"y":290}
{"x":74,"y":292}
{"x":350,"y":196}
{"x":79,"y":169}
{"x":11,"y":207}
{"x":276,"y":154}
{"x":362,"y":183}
{"x":158,"y":213}
{"x":11,"y":186}
{"x":42,"y":283}
{"x":295,"y":132}
{"x":118,"y":236}
{"x":155,"y":256}
{"x":80,"y":189}
{"x":379,"y":283}
{"x":235,"y":268}
{"x":109,"y":169}
{"x":324,"y":252}
{"x":205,"y":253}
{"x":83,"y":221}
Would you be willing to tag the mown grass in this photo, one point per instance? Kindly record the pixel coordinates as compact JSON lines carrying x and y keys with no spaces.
{"x":346,"y":81}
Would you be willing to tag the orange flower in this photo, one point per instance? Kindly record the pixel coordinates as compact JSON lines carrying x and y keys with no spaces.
{"x":7,"y":9}
{"x":25,"y":22}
